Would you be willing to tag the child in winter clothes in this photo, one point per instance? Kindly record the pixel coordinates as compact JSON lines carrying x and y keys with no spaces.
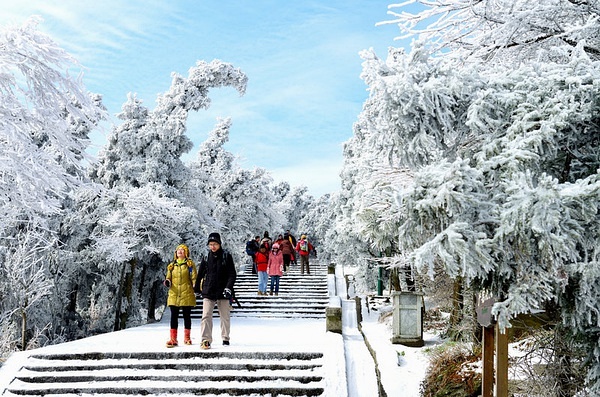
{"x":262,"y":261}
{"x":275,"y":268}
{"x":180,"y":279}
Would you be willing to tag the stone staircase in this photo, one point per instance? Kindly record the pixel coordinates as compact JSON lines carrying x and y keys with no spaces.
{"x":171,"y":373}
{"x":300,"y":295}
{"x":153,"y":370}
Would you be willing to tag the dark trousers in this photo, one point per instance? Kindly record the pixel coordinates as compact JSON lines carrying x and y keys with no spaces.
{"x":304,"y":264}
{"x":187,"y":316}
{"x":287,"y":258}
{"x":254,"y":264}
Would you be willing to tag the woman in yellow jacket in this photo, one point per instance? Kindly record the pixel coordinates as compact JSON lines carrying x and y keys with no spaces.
{"x":180,"y":279}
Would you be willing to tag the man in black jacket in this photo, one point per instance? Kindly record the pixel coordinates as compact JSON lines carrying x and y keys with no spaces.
{"x":252,"y":247}
{"x":217,"y":274}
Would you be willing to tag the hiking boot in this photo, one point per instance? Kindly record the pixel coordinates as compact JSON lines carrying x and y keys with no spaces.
{"x":225,"y":343}
{"x":271,"y":293}
{"x":172,"y":342}
{"x":205,"y":345}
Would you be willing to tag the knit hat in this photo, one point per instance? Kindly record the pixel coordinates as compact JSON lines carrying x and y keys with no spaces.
{"x":185,"y":249}
{"x":275,"y":246}
{"x":216,"y":237}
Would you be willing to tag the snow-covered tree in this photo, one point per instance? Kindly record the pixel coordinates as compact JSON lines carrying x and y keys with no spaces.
{"x":503,"y":152}
{"x":25,"y":275}
{"x":317,"y":220}
{"x":143,"y":168}
{"x":501,"y":31}
{"x":242,"y":199}
{"x":42,"y":111}
{"x":293,"y":205}
{"x":46,"y":115}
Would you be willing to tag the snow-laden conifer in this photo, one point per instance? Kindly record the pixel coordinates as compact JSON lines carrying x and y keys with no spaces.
{"x":503,"y":152}
{"x":242,"y":200}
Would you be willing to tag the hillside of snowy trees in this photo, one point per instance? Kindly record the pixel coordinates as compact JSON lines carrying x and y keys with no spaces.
{"x":475,"y":160}
{"x":85,"y":241}
{"x":477,"y":156}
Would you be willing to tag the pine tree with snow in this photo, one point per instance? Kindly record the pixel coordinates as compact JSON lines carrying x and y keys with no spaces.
{"x":503,"y":152}
{"x":242,"y":200}
{"x":150,"y":209}
{"x":46,"y":115}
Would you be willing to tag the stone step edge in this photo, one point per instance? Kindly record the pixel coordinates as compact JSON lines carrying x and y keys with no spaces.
{"x":226,"y":390}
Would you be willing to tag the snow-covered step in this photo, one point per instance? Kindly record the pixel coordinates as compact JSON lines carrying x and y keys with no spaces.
{"x":176,"y":373}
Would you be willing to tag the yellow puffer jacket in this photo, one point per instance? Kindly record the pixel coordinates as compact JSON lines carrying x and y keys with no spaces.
{"x":182,"y":277}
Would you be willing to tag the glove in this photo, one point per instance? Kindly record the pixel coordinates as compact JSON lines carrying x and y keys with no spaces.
{"x":227,"y":293}
{"x":167,"y":283}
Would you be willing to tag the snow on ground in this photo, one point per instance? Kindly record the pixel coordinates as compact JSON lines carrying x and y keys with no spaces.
{"x":348,"y":362}
{"x":279,"y":335}
{"x":401,"y":368}
{"x":247,"y":335}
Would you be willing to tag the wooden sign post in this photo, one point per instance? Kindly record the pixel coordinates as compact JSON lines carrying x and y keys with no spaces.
{"x":487,"y":376}
{"x":501,"y":363}
{"x":495,"y":345}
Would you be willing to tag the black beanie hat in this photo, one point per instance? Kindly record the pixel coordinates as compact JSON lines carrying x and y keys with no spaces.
{"x":216,"y":237}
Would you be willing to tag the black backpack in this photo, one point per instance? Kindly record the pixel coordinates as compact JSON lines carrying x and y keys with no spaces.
{"x":250,"y":247}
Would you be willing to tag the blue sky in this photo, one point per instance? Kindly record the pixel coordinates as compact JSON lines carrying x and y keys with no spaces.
{"x":301,"y":57}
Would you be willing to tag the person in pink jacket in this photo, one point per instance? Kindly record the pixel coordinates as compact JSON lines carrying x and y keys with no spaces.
{"x":275,"y":268}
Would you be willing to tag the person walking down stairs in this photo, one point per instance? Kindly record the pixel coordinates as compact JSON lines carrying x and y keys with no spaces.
{"x":262,"y":261}
{"x":275,"y":268}
{"x":216,"y":276}
{"x":180,"y":279}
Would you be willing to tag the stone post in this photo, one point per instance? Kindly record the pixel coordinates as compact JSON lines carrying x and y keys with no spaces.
{"x":407,"y":321}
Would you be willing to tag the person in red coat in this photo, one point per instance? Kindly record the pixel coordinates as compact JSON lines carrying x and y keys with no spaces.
{"x":262,"y":261}
{"x":304,"y":248}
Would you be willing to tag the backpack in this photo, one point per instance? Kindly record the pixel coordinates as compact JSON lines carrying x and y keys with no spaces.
{"x":303,"y":245}
{"x":267,"y":243}
{"x":250,"y":248}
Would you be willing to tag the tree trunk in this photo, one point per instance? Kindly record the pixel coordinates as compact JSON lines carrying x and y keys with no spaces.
{"x":152,"y":301}
{"x":119,"y":299}
{"x":23,"y":329}
{"x":155,"y":267}
{"x":456,"y":315}
{"x":476,"y":328}
{"x":409,"y":278}
{"x":128,"y":294}
{"x":395,"y":280}
{"x":561,"y":367}
{"x":143,"y":278}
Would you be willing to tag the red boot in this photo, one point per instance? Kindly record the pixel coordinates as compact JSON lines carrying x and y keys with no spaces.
{"x":186,"y":337}
{"x":173,"y":341}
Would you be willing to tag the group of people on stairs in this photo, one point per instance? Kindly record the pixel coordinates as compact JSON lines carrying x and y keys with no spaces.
{"x":215,"y":277}
{"x":272,"y":259}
